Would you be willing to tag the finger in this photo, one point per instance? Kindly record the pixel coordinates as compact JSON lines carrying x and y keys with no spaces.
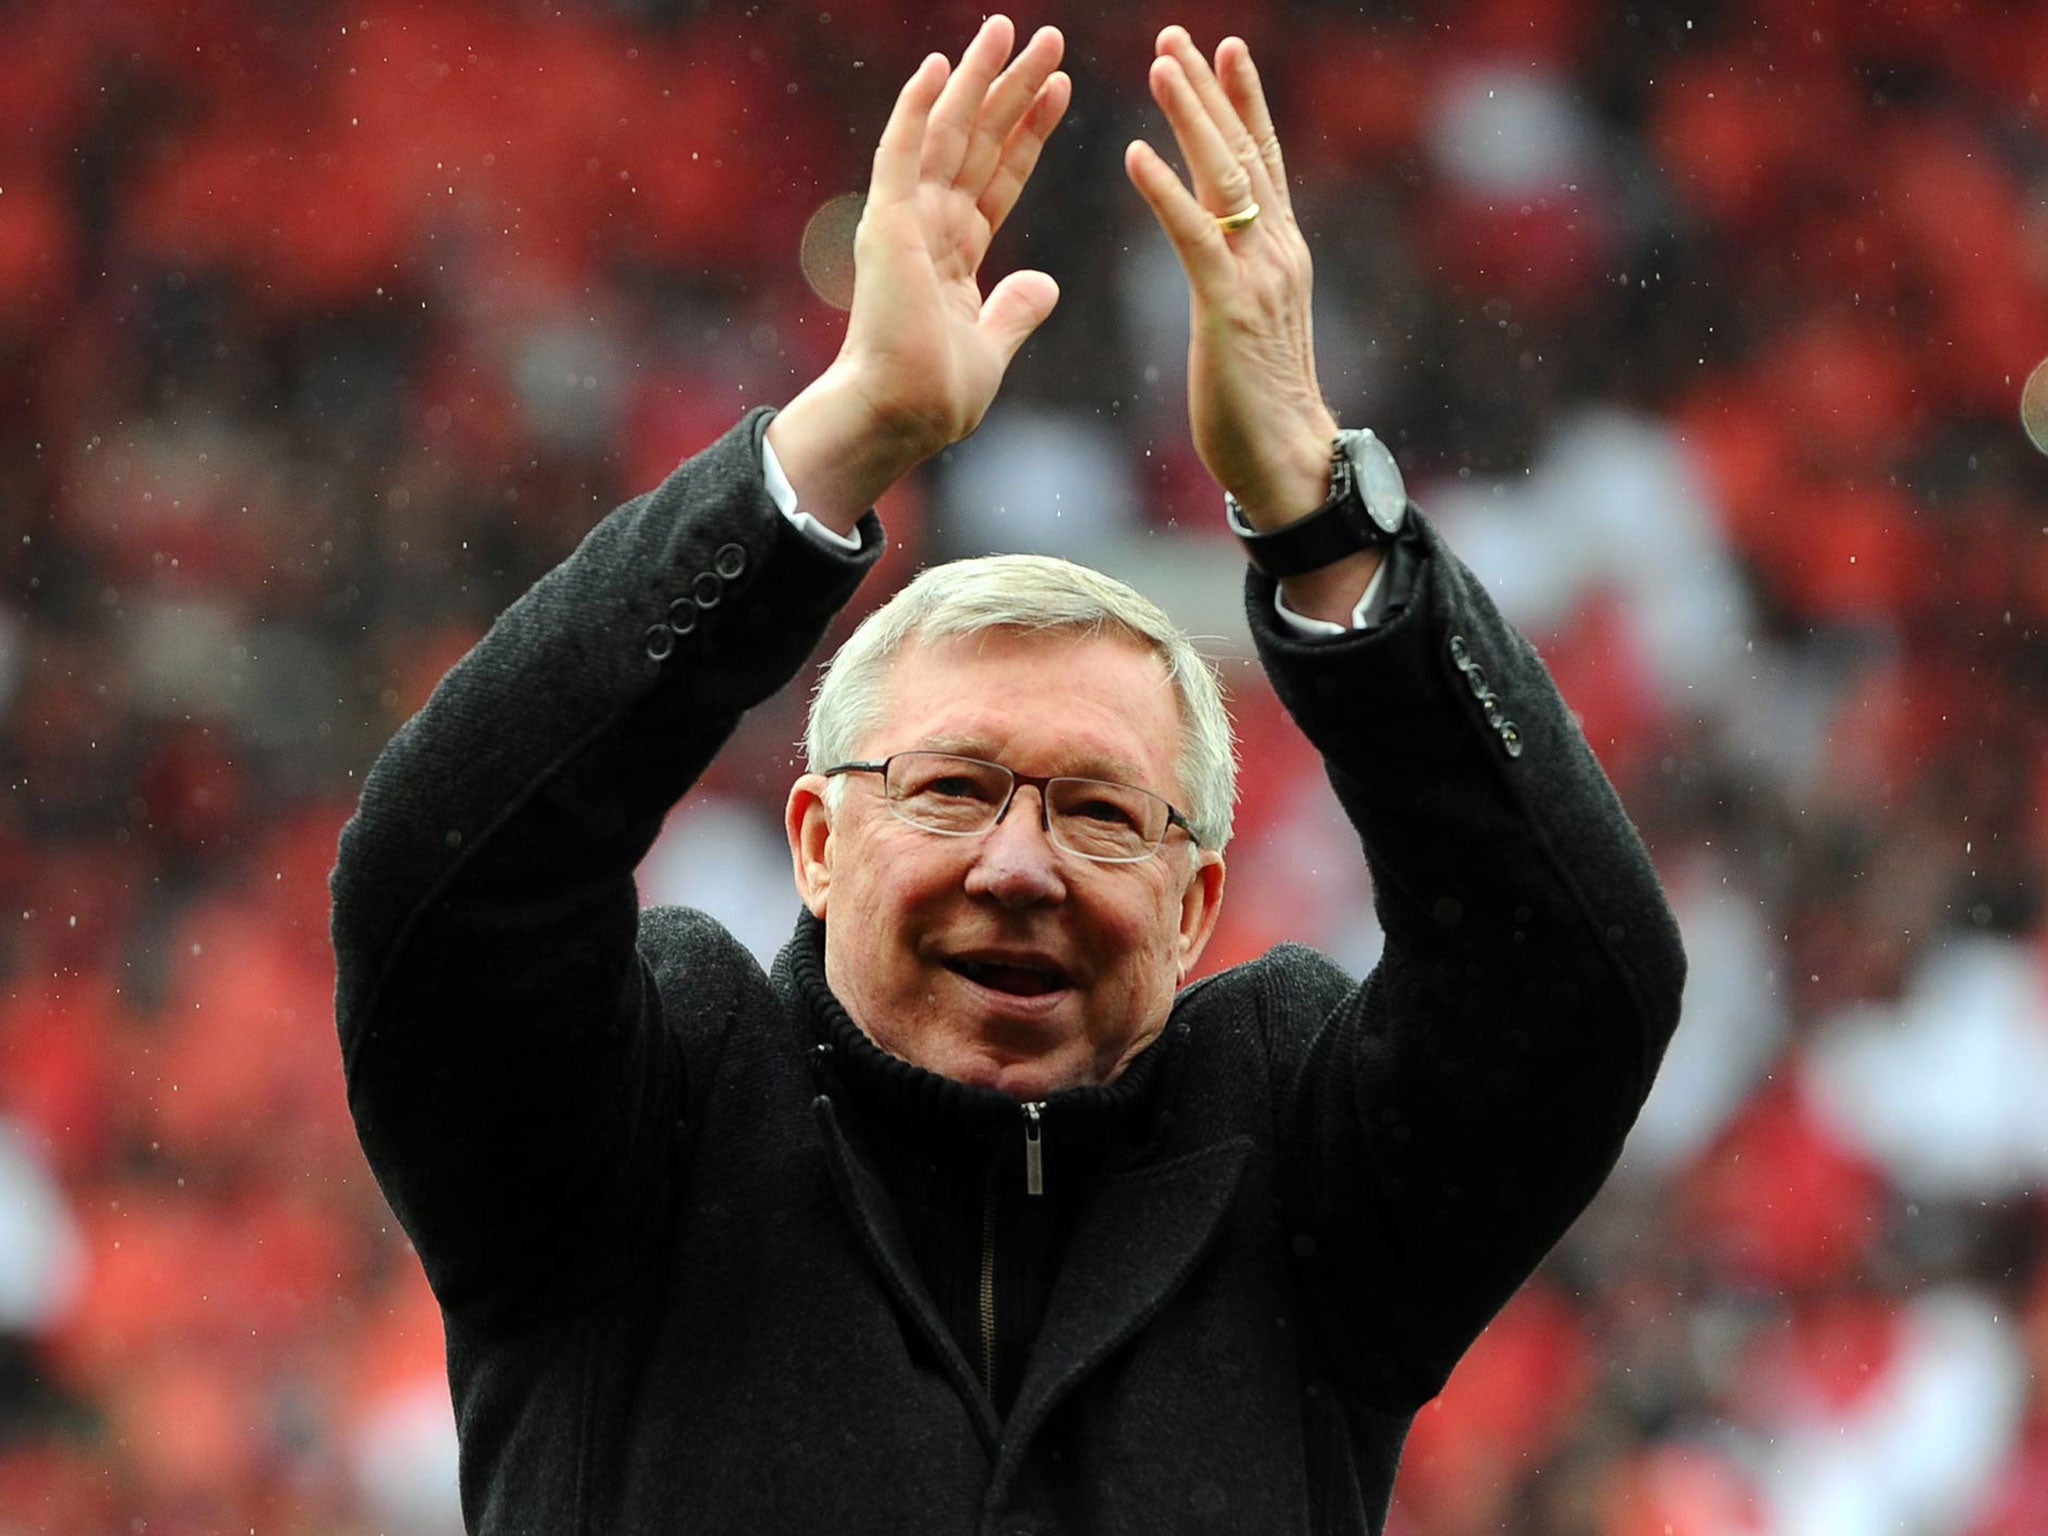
{"x":1015,"y":308}
{"x":1020,"y":153}
{"x":901,"y":148}
{"x":1014,"y":94}
{"x":1191,"y":228}
{"x":1215,"y":104}
{"x":1221,"y":181}
{"x":1241,"y":82}
{"x":952,"y":122}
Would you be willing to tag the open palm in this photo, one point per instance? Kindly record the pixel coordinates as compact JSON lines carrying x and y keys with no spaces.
{"x":928,"y":349}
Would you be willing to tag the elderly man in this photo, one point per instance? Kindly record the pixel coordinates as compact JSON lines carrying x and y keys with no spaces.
{"x":971,"y":1216}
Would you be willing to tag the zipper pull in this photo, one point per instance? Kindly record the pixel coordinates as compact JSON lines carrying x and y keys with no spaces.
{"x":1034,"y":1150}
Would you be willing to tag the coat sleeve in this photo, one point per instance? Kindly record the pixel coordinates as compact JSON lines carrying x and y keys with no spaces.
{"x":516,"y":1089}
{"x":1442,"y":1124}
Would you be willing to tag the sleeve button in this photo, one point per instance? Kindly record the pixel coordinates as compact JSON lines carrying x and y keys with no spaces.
{"x":1511,"y":738}
{"x":660,"y":642}
{"x":730,"y":561}
{"x":707,"y":589}
{"x":682,"y":616}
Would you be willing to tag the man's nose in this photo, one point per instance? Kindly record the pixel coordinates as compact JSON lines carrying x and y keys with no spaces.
{"x":1016,"y":862}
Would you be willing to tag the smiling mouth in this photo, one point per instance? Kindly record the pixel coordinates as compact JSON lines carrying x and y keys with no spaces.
{"x":1017,"y":980}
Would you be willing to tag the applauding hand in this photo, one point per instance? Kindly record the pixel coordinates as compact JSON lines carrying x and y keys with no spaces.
{"x":925,"y":352}
{"x":1254,"y":407}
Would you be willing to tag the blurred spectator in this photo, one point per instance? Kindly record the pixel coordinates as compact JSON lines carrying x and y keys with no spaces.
{"x":41,"y":1259}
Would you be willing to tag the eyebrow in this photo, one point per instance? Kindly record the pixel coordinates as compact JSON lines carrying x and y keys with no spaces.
{"x":1110,"y":769}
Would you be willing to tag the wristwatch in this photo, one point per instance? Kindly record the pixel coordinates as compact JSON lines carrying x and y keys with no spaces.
{"x":1368,"y":507}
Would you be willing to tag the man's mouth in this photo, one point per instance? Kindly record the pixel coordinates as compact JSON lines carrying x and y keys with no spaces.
{"x":1019,"y":978}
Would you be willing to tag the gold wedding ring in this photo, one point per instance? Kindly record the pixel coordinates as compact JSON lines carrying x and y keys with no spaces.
{"x":1231,"y":223}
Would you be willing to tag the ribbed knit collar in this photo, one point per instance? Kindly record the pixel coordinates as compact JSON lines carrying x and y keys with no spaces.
{"x":890,"y":1090}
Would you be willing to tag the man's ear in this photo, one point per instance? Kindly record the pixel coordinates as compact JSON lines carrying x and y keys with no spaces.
{"x":808,"y":822}
{"x":1200,"y":905}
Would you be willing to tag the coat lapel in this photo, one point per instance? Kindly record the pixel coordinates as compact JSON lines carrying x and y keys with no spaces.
{"x":1134,"y":1245}
{"x":873,"y":1215}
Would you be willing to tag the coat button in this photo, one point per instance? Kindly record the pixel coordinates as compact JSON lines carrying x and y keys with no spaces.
{"x":660,"y":641}
{"x":682,"y":616}
{"x":730,"y":561}
{"x":1511,"y":738}
{"x":707,"y":589}
{"x":1459,"y":655}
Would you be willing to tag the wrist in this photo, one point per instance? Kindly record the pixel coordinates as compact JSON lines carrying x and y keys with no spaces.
{"x":1297,"y":483}
{"x":839,"y":452}
{"x":1365,"y":509}
{"x":1333,"y":592}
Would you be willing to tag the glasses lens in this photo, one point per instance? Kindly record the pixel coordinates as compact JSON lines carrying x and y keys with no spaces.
{"x":1101,"y":819}
{"x":944,"y":793}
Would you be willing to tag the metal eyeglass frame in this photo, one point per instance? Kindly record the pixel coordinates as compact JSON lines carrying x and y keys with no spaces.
{"x":1038,"y":781}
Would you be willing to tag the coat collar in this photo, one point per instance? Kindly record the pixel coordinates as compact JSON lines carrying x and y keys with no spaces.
{"x":912,"y":1100}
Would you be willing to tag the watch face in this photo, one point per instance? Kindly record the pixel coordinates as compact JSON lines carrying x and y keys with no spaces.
{"x":1380,"y":484}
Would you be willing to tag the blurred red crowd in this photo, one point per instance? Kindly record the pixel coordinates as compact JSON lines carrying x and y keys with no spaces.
{"x":329,"y":327}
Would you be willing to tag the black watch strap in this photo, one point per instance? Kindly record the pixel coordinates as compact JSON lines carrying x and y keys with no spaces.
{"x":1341,"y":526}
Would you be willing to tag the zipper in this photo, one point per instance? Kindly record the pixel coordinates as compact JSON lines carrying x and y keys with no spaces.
{"x":1034,"y":1150}
{"x":1034,"y":1184}
{"x":988,"y":1293}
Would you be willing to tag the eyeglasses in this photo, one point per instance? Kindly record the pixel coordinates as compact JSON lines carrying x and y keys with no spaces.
{"x":954,"y":796}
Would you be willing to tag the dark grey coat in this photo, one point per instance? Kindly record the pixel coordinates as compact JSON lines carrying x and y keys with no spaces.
{"x":678,"y":1300}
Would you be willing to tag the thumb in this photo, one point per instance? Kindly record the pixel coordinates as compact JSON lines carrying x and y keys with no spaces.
{"x":1015,"y":308}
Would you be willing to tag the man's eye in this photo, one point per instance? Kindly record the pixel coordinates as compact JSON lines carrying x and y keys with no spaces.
{"x":1107,"y":812}
{"x":953,"y":787}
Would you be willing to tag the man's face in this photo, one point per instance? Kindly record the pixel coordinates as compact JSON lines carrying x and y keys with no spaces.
{"x":999,"y":959}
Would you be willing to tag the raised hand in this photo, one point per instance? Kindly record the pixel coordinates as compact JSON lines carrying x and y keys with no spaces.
{"x":925,"y":352}
{"x":1256,"y":411}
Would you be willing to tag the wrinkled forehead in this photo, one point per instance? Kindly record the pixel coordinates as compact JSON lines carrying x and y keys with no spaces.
{"x":1103,"y":696}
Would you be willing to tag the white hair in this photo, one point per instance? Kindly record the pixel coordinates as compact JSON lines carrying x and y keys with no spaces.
{"x":1038,"y":593}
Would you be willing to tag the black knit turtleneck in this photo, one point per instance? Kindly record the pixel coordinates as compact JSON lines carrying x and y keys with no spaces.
{"x":953,"y":1157}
